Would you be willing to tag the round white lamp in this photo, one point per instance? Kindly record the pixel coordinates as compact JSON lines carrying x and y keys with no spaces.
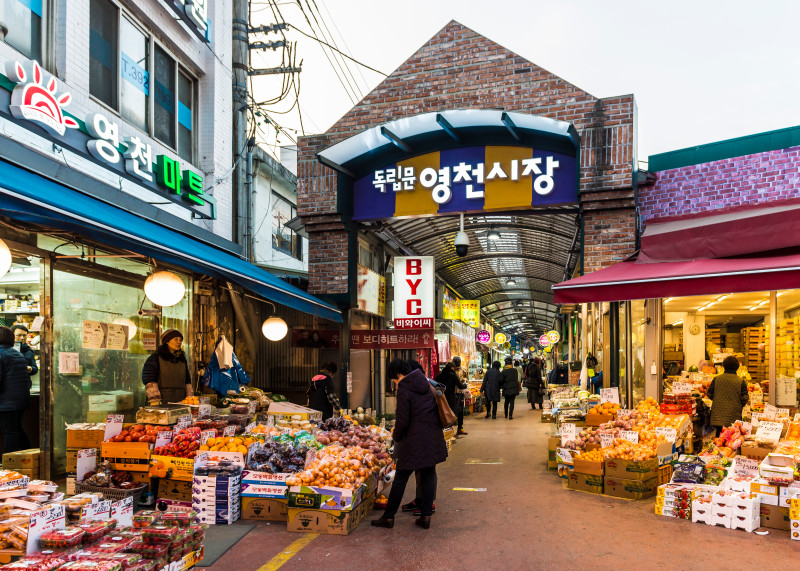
{"x":130,"y":324}
{"x":274,"y":328}
{"x":5,"y":259}
{"x":164,"y":288}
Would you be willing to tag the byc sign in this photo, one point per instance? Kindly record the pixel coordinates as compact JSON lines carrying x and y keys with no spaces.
{"x":413,"y":287}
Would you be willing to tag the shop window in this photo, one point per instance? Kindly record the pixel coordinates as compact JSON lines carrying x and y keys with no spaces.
{"x":134,"y":87}
{"x":164,"y":66}
{"x":284,"y":238}
{"x":103,"y":23}
{"x":23,"y":18}
{"x":185,"y":115}
{"x":638,"y":319}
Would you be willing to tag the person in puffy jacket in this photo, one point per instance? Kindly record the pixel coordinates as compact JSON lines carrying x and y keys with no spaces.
{"x":15,"y":393}
{"x":223,"y":380}
{"x":511,"y":387}
{"x":534,"y":384}
{"x":321,"y":392}
{"x":20,"y":338}
{"x":490,"y":388}
{"x":165,"y":374}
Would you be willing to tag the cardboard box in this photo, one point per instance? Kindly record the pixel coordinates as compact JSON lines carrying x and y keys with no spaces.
{"x":85,"y":437}
{"x":110,"y":401}
{"x":178,"y":490}
{"x":754,"y":452}
{"x":72,"y":459}
{"x":286,"y":410}
{"x":163,"y":414}
{"x":585,"y":482}
{"x":22,"y":460}
{"x":665,"y":474}
{"x":631,"y":470}
{"x":634,"y":489}
{"x":775,"y":517}
{"x":305,"y":520}
{"x":255,"y":490}
{"x":32,"y":474}
{"x":587,"y":467}
{"x":171,"y":468}
{"x":554,"y":443}
{"x":265,"y":509}
{"x":132,"y":456}
{"x":325,"y":497}
{"x":598,"y":419}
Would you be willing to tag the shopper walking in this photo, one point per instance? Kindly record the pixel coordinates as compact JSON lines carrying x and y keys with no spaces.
{"x":165,"y":374}
{"x":419,"y":441}
{"x":490,"y":388}
{"x":455,"y":398}
{"x":21,"y":345}
{"x":729,"y":393}
{"x":520,"y":370}
{"x":321,"y":392}
{"x":511,"y":388}
{"x":15,"y":393}
{"x":534,"y":384}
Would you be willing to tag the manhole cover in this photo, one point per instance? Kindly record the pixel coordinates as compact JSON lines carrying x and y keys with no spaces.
{"x":483,"y":461}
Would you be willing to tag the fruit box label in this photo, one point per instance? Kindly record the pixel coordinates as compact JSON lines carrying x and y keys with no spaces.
{"x":172,"y":468}
{"x":324,"y":497}
{"x":268,"y":491}
{"x":253,"y":477}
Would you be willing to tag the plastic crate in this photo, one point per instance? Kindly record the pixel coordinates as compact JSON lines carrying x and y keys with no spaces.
{"x":113,"y":494}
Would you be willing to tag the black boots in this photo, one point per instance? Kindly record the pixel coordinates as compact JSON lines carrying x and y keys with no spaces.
{"x":385,"y":522}
{"x":423,"y":521}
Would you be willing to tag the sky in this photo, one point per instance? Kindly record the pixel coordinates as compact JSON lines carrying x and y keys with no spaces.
{"x":701,"y":71}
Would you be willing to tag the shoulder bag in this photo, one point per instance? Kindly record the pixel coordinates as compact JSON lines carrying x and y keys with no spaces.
{"x":446,"y":415}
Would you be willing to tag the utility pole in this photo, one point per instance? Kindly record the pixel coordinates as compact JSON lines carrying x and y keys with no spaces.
{"x":241,"y":66}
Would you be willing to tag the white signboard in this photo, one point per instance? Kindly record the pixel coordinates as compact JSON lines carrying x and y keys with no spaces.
{"x":770,"y":412}
{"x":122,"y":511}
{"x":206,"y":434}
{"x":568,"y":433}
{"x":679,"y":388}
{"x":249,"y":428}
{"x":414,"y":285}
{"x":163,"y":438}
{"x":669,"y":433}
{"x":769,"y":431}
{"x":113,"y":425}
{"x":564,"y":455}
{"x":745,"y":466}
{"x":610,"y":395}
{"x":49,"y":519}
{"x":86,"y":462}
{"x":183,"y":422}
{"x":230,"y":430}
{"x":97,"y":512}
{"x":606,"y":440}
{"x":631,"y":436}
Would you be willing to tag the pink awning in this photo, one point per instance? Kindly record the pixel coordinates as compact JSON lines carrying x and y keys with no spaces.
{"x":633,"y":279}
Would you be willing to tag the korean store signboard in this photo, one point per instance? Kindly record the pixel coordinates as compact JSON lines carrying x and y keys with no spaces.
{"x":194,"y":13}
{"x":414,"y":284}
{"x":36,"y":98}
{"x":391,"y":339}
{"x":470,"y":179}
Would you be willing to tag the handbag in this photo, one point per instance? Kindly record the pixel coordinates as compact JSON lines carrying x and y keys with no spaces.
{"x":446,"y":415}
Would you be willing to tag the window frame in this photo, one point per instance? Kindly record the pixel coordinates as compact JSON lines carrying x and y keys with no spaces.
{"x":45,"y":24}
{"x":293,"y":211}
{"x":152,"y":44}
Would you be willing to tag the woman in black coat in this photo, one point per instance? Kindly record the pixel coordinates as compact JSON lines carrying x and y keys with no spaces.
{"x":321,"y":392}
{"x":453,"y":387}
{"x":491,"y":389}
{"x":511,"y":387}
{"x":419,"y":441}
{"x":15,"y":393}
{"x":534,"y":384}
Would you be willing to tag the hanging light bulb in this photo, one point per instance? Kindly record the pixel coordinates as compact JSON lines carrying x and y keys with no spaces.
{"x":511,"y":282}
{"x":274,"y":328}
{"x":5,"y":259}
{"x":164,"y":288}
{"x":493,"y":234}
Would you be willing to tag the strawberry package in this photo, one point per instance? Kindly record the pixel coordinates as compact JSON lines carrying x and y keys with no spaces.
{"x":62,"y":538}
{"x":108,"y":547}
{"x":145,"y":518}
{"x":199,"y":530}
{"x":158,"y":534}
{"x":34,"y":564}
{"x":144,"y":565}
{"x":178,"y":518}
{"x":92,"y":565}
{"x":153,"y":550}
{"x":93,"y":530}
{"x":127,"y":560}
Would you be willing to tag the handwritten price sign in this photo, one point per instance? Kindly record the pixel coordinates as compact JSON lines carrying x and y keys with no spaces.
{"x":568,"y":433}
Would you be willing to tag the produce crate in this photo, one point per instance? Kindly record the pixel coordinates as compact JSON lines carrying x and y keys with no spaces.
{"x":172,"y":467}
{"x":133,"y":456}
{"x":113,"y":494}
{"x":587,"y":467}
{"x":163,"y":415}
{"x":665,"y":474}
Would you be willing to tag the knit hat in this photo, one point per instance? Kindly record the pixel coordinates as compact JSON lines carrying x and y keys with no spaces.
{"x":18,"y":326}
{"x":170,"y":334}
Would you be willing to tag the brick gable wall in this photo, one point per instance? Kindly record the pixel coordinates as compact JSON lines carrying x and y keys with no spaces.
{"x":460,"y":69}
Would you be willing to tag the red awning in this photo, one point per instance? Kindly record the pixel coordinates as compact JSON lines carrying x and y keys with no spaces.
{"x":634,"y":279}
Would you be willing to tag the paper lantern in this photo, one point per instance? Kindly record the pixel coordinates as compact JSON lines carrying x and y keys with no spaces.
{"x":274,"y":328}
{"x":164,"y":288}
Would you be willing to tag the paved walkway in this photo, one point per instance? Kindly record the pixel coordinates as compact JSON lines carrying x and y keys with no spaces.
{"x":524,"y":520}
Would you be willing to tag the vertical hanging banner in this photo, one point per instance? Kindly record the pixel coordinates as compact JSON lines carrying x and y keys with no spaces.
{"x":414,"y":285}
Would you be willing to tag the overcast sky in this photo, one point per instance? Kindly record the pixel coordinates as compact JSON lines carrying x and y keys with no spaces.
{"x":701,"y":70}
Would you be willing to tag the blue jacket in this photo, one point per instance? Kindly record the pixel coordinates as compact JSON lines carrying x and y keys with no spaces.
{"x":225,"y":380}
{"x":30,"y":357}
{"x":15,"y":383}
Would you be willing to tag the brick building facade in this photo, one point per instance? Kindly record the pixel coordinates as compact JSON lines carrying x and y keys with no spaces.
{"x":460,"y":69}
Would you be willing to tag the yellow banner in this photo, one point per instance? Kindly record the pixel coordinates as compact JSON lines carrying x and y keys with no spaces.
{"x":471,"y":312}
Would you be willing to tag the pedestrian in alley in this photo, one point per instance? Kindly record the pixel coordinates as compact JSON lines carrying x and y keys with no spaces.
{"x":455,"y":398}
{"x":165,"y":373}
{"x":419,"y":441}
{"x":15,"y":393}
{"x":511,"y":387}
{"x":520,"y":370}
{"x":729,"y":393}
{"x":535,"y":384}
{"x":321,"y":392}
{"x":490,"y":388}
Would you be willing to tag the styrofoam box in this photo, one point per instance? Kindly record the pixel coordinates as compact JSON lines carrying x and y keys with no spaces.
{"x":720,"y":518}
{"x":768,"y":499}
{"x":745,"y":504}
{"x":748,"y":524}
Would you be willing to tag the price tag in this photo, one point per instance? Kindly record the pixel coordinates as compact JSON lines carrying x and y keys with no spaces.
{"x":163,"y":438}
{"x":49,"y":519}
{"x":204,"y":400}
{"x":568,"y":433}
{"x":97,"y":512}
{"x":796,"y":417}
{"x":747,"y":427}
{"x":755,"y":417}
{"x":206,"y":434}
{"x":270,"y":420}
{"x":231,"y":430}
{"x":252,"y":406}
{"x":286,"y":431}
{"x":669,"y":433}
{"x":564,"y":455}
{"x":87,"y":461}
{"x":610,"y":395}
{"x":252,"y":425}
{"x":770,"y":412}
{"x":184,"y":422}
{"x":631,"y":436}
{"x":679,"y":388}
{"x":623,"y":413}
{"x":204,"y":410}
{"x":122,"y":511}
{"x":606,"y":440}
{"x":769,"y":431}
{"x":745,"y":466}
{"x":113,"y":425}
{"x":782,"y":413}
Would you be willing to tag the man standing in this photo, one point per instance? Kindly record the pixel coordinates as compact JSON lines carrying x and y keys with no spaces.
{"x":21,"y":345}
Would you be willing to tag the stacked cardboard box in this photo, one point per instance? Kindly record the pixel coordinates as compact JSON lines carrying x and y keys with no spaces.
{"x":631,"y":479}
{"x":264,"y":496}
{"x":216,"y":493}
{"x":26,"y":462}
{"x":794,"y":519}
{"x":675,"y":500}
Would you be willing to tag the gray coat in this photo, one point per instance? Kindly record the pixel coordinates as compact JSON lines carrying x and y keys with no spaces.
{"x":418,"y":436}
{"x":729,"y":393}
{"x":491,"y":385}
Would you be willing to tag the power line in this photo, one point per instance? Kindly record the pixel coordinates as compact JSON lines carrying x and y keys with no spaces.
{"x":341,"y":52}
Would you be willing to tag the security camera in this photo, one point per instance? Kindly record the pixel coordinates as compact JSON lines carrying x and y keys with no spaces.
{"x":462,"y":244}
